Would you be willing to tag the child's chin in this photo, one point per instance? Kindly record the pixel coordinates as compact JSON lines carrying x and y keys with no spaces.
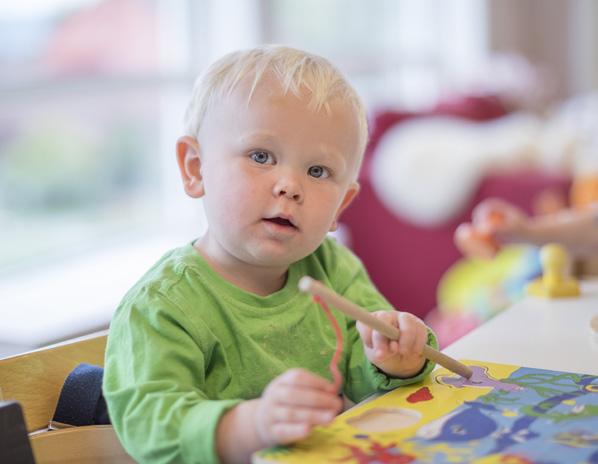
{"x":279,"y":256}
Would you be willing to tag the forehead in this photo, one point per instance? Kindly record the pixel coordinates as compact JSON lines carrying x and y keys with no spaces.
{"x":269,"y":91}
{"x":269,"y":108}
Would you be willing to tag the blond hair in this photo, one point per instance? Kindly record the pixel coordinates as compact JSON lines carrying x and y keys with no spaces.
{"x":295,"y":69}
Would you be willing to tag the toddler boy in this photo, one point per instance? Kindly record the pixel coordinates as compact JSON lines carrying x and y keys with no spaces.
{"x":215,"y":353}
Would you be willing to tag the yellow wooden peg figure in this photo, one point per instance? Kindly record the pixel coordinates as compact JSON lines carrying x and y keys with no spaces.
{"x":554,"y":283}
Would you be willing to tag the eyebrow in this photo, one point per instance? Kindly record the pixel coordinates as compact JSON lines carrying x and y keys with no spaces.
{"x":258,"y":136}
{"x":331,"y":154}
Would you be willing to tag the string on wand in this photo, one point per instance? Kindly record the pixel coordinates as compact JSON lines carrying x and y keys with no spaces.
{"x":336,"y":374}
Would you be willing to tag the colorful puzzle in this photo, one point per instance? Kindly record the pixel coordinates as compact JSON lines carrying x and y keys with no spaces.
{"x":504,"y":414}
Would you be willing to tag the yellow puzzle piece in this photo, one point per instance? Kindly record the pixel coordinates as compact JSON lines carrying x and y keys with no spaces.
{"x":554,"y":282}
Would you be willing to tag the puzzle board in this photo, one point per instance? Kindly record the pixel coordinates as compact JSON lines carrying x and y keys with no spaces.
{"x":513,"y":414}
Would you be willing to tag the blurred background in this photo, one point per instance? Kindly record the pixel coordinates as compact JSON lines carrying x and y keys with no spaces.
{"x":466,"y":98}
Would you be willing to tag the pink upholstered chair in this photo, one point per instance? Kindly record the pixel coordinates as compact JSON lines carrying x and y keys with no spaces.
{"x":405,"y":260}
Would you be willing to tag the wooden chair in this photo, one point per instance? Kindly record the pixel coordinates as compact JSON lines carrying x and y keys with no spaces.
{"x":35,"y":379}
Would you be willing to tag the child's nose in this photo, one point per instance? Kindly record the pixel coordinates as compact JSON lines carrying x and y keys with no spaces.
{"x":288,"y":188}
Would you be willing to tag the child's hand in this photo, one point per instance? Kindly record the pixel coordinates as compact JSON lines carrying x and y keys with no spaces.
{"x":494,"y":222}
{"x":399,"y":358}
{"x":293,"y":404}
{"x":290,"y":407}
{"x":502,"y":220}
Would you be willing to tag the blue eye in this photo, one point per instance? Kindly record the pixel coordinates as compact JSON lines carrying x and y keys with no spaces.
{"x":318,"y":172}
{"x":261,"y":157}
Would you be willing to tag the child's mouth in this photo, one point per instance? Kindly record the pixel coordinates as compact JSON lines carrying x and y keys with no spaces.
{"x":281,"y":222}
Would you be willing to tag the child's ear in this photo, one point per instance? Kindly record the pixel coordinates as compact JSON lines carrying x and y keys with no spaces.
{"x":187,"y":153}
{"x":352,"y":192}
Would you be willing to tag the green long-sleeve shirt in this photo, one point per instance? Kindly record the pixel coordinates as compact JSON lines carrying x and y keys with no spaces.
{"x":185,"y":346}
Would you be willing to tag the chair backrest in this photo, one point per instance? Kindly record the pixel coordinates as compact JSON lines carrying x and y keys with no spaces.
{"x":35,"y":379}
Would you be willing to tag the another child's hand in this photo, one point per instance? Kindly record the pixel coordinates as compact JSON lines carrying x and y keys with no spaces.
{"x":399,"y":358}
{"x":293,"y":404}
{"x":494,"y":222}
{"x":504,"y":221}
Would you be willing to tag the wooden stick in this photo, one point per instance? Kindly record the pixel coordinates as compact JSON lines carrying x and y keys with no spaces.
{"x":309,"y":285}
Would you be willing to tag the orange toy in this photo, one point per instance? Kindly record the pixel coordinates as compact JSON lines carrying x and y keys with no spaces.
{"x":475,"y":240}
{"x":584,"y":191}
{"x":583,"y":194}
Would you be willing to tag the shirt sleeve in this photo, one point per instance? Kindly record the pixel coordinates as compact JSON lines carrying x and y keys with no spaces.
{"x":362,"y":377}
{"x":153,"y":385}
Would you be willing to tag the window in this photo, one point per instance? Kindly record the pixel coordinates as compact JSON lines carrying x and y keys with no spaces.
{"x":92,"y":102}
{"x":79,"y":126}
{"x":93,"y":93}
{"x":396,"y":52}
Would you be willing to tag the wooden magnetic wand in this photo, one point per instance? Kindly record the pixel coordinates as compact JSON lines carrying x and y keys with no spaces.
{"x":316,"y":288}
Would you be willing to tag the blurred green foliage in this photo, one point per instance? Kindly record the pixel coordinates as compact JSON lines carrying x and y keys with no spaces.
{"x":56,"y":167}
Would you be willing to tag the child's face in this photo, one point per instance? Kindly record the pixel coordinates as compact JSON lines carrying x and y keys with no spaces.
{"x":274,"y":174}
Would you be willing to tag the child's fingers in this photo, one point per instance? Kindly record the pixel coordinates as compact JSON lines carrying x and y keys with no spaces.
{"x":304,"y":378}
{"x":290,"y":422}
{"x":413,"y":334}
{"x":474,"y":243}
{"x":301,"y":388}
{"x":406,"y":342}
{"x":408,"y":329}
{"x":380,"y":343}
{"x":496,"y":216}
{"x":285,"y":433}
{"x":293,"y":403}
{"x":365,"y":333}
{"x":384,"y":346}
{"x":312,"y":416}
{"x":305,"y":397}
{"x":419,"y":340}
{"x":486,"y":209}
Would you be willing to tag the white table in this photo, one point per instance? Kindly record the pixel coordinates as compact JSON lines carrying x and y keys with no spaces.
{"x":67,"y":299}
{"x":541,"y":333}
